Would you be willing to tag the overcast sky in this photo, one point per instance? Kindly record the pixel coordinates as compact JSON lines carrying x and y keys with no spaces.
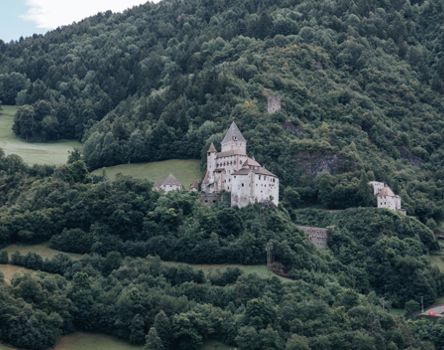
{"x":26,"y":17}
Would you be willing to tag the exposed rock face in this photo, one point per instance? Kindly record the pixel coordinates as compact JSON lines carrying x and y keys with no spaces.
{"x":318,"y":236}
{"x":274,"y":104}
{"x":316,"y":162}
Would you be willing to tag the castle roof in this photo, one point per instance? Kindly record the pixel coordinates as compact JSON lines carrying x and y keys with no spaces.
{"x":251,"y":163}
{"x":258,"y":171}
{"x":170,"y":181}
{"x":386,"y":191}
{"x":233,"y":134}
{"x":212,"y":149}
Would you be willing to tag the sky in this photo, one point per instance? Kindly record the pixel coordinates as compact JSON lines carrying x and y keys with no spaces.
{"x":26,"y":17}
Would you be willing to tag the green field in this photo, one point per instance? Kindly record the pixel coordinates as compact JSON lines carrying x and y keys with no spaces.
{"x":46,"y":252}
{"x":41,"y":249}
{"x":87,"y":341}
{"x":55,"y":153}
{"x":261,"y":270}
{"x":91,"y":341}
{"x":186,"y":171}
{"x":10,"y":270}
{"x":437,"y":261}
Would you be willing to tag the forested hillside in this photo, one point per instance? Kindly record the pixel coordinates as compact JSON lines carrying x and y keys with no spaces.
{"x":361,"y":83}
{"x":336,"y":299}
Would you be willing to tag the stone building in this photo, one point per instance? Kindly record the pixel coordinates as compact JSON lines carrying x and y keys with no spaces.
{"x":274,"y":104}
{"x":233,"y":171}
{"x":385,"y":197}
{"x":168,"y":185}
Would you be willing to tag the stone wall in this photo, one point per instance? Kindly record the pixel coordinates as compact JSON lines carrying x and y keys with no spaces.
{"x":318,"y":236}
{"x":209,"y":198}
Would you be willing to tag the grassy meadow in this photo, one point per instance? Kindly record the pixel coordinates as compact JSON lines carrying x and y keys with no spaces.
{"x":55,"y":153}
{"x":186,"y":171}
{"x":10,"y":270}
{"x":41,"y":249}
{"x":87,"y":341}
{"x":261,"y":270}
{"x":92,"y":341}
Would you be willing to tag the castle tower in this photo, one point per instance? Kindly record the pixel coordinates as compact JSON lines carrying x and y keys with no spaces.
{"x":211,"y":162}
{"x":234,"y":141}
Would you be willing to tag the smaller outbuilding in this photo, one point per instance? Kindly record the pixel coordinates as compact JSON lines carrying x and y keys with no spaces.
{"x":386,"y":198}
{"x":168,"y":185}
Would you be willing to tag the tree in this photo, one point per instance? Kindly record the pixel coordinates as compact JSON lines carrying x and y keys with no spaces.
{"x":162,"y":325}
{"x":412,"y":308}
{"x":364,"y":190}
{"x":297,"y":342}
{"x":137,"y":330}
{"x":153,"y":341}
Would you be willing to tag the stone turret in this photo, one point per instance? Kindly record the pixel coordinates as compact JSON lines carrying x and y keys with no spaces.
{"x":211,"y":162}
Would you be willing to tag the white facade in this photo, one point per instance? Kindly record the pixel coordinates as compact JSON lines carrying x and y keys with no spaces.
{"x":170,"y":188}
{"x":385,"y":196}
{"x":169,"y":184}
{"x":231,"y":170}
{"x":254,"y":186}
{"x":377,"y":186}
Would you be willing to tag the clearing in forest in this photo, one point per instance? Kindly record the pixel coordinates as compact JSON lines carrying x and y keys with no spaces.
{"x":10,"y":270}
{"x":54,"y":153}
{"x":41,"y":249}
{"x":186,"y":171}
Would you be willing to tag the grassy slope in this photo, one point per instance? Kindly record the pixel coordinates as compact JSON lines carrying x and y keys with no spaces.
{"x":186,"y":171}
{"x":45,"y":252}
{"x":261,"y":270}
{"x":89,"y":341}
{"x":86,"y":341}
{"x":32,"y":153}
{"x":10,"y":270}
{"x":41,"y":249}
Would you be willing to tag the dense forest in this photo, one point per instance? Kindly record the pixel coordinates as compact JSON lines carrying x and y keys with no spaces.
{"x":361,"y":84}
{"x":340,"y":298}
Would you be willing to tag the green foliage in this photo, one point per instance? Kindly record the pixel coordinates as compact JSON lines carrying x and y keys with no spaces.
{"x":361,"y":88}
{"x":153,"y":342}
{"x":361,"y":85}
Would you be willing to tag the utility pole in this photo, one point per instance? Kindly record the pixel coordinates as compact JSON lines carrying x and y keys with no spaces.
{"x":422,"y":304}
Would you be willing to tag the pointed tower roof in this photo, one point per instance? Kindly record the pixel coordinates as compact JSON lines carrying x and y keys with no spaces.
{"x":233,"y":134}
{"x":171,"y":181}
{"x":212,"y":149}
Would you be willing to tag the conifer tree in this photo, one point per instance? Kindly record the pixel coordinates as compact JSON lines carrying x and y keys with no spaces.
{"x":153,"y":342}
{"x":162,"y":325}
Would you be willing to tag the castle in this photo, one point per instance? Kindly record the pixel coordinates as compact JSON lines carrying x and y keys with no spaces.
{"x":233,"y":171}
{"x":386,"y":198}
